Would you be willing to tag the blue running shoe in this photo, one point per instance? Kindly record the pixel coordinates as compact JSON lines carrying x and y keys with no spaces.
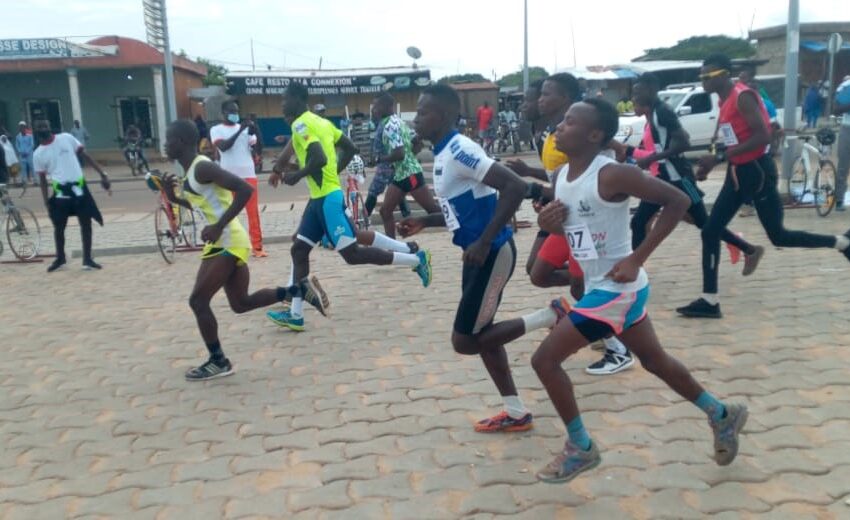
{"x":286,"y":319}
{"x":424,"y":267}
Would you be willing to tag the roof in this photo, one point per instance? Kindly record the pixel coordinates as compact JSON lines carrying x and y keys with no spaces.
{"x":805,"y":28}
{"x":475,"y":85}
{"x":322,"y":73}
{"x":119,"y":52}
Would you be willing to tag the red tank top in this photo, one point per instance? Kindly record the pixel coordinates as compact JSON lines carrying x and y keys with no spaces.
{"x":733,"y":126}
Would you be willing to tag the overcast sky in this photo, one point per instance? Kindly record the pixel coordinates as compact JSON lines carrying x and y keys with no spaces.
{"x":482,"y":36}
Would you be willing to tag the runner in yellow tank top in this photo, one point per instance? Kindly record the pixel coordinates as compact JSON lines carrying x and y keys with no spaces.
{"x":208,"y":187}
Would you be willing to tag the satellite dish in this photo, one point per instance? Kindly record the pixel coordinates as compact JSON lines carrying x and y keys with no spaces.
{"x":414,"y":53}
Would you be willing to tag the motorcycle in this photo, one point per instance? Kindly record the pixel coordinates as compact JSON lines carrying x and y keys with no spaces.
{"x":132,"y":154}
{"x":508,"y":136}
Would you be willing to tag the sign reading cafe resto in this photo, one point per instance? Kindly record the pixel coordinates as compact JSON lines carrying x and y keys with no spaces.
{"x":328,"y":85}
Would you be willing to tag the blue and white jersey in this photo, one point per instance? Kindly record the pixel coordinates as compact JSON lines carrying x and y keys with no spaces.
{"x":467,"y":203}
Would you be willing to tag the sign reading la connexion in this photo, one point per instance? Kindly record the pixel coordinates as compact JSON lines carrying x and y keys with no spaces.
{"x":328,"y":85}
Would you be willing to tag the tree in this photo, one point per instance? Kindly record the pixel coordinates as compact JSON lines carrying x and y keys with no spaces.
{"x":699,"y":47}
{"x":514,"y":79}
{"x":216,"y":74}
{"x":462,"y":78}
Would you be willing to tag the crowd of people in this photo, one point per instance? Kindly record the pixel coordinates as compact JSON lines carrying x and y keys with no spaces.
{"x":588,"y":239}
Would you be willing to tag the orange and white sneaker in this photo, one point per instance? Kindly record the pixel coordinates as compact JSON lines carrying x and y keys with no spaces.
{"x":259,"y":253}
{"x":503,"y":422}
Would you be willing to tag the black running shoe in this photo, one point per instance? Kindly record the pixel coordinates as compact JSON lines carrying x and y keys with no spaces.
{"x":56,"y":265}
{"x":210,"y":370}
{"x":313,"y":294}
{"x":414,"y":247}
{"x":88,"y":265}
{"x":700,"y":309}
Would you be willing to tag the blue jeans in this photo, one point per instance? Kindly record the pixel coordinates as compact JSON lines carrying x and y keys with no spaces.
{"x":27,"y":169}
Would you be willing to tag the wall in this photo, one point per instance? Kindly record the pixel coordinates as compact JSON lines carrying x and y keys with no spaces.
{"x":183,"y":81}
{"x":99,"y":93}
{"x":16,"y":89}
{"x":470,"y":100}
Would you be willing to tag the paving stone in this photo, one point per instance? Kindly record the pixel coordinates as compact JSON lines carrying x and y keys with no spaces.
{"x":105,"y":503}
{"x":56,"y":508}
{"x":669,"y":503}
{"x":731,"y":497}
{"x":269,"y":461}
{"x":270,"y":505}
{"x":492,"y":499}
{"x":358,"y":469}
{"x":324,"y":454}
{"x":380,"y":446}
{"x":395,"y":485}
{"x":454,"y":478}
{"x":434,"y":506}
{"x":330,"y":496}
{"x":213,"y":469}
{"x":669,"y":476}
{"x":182,"y":493}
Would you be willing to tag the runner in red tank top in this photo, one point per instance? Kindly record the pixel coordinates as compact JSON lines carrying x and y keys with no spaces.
{"x":743,"y":129}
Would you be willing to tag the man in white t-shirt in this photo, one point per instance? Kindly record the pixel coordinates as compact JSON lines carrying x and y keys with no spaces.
{"x":234,"y":141}
{"x":56,"y":161}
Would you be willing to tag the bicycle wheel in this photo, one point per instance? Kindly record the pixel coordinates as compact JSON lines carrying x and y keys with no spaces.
{"x":23,"y":233}
{"x":825,"y":188}
{"x":797,"y":182}
{"x":165,"y":239}
{"x":361,"y":216}
{"x":189,"y":233}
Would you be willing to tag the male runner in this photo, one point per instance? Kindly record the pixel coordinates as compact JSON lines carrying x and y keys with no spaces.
{"x":397,"y":149}
{"x":57,"y":159}
{"x":743,"y":125}
{"x":477,"y":197}
{"x":667,"y":141}
{"x":235,"y":140}
{"x":314,"y":142}
{"x":557,"y":94}
{"x":592,"y":209}
{"x":221,"y":195}
{"x":531,"y":113}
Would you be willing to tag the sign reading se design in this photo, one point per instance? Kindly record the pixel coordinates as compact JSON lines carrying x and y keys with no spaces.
{"x":327,"y":85}
{"x":44,"y":48}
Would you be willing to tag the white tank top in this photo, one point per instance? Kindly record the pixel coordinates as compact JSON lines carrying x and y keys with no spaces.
{"x":597,"y":230}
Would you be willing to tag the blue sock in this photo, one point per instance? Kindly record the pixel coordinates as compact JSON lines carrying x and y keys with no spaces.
{"x":711,"y":406}
{"x":578,"y":435}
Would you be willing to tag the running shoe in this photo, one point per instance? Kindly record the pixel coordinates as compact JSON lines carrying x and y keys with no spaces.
{"x":88,"y":265}
{"x":414,"y":247}
{"x":502,"y":422}
{"x":747,"y":210}
{"x":700,"y":308}
{"x":424,"y":267}
{"x":726,"y":432}
{"x":259,"y":253}
{"x":752,"y":261}
{"x":315,"y":295}
{"x":210,"y":370}
{"x":561,"y":307}
{"x":57,"y":264}
{"x":611,"y":363}
{"x":570,"y":463}
{"x":287,"y":320}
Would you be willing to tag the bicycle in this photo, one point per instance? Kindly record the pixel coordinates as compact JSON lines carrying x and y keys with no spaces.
{"x":22,"y":230}
{"x":813,"y":176}
{"x":355,"y":207}
{"x":174,"y":223}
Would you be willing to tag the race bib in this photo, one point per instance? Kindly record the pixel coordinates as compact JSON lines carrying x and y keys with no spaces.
{"x":728,"y":135}
{"x":581,"y":242}
{"x":452,"y":223}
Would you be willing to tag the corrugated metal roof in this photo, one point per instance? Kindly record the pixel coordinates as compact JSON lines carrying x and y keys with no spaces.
{"x":320,"y":73}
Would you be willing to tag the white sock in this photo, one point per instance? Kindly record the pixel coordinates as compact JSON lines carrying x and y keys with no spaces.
{"x":405,"y":259}
{"x":842,"y":242}
{"x":514,"y":406}
{"x":711,"y":298}
{"x":297,"y":308}
{"x":539,"y":319}
{"x":384,"y":242}
{"x":616,"y":346}
{"x":291,"y":281}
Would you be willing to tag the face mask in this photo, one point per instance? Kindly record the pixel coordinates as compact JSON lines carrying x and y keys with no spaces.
{"x":233,"y":118}
{"x":44,"y":135}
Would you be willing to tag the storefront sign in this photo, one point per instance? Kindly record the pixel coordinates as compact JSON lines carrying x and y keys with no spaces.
{"x":328,"y":85}
{"x":44,"y":48}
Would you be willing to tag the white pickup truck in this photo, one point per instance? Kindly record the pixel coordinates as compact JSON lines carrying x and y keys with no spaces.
{"x":697,"y":112}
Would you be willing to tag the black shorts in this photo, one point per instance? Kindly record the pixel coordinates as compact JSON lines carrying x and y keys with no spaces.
{"x":482,"y":289}
{"x":410,"y":183}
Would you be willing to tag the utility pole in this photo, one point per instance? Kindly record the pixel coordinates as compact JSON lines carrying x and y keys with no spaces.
{"x":156,"y":25}
{"x":253,"y":68}
{"x":792,"y":67}
{"x":525,"y":82}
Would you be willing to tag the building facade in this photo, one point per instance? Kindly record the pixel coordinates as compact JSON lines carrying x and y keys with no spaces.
{"x":814,"y":59}
{"x":106,"y":83}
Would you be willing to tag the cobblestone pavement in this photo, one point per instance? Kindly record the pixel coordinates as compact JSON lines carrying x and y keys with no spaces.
{"x":368,"y":414}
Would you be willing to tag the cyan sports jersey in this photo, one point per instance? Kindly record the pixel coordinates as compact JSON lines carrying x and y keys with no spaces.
{"x":468,"y":204}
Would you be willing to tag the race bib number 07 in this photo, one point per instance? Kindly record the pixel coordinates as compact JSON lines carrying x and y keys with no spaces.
{"x":728,"y":135}
{"x":581,"y":242}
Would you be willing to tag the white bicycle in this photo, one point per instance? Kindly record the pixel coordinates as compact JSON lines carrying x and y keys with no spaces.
{"x":813,"y":177}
